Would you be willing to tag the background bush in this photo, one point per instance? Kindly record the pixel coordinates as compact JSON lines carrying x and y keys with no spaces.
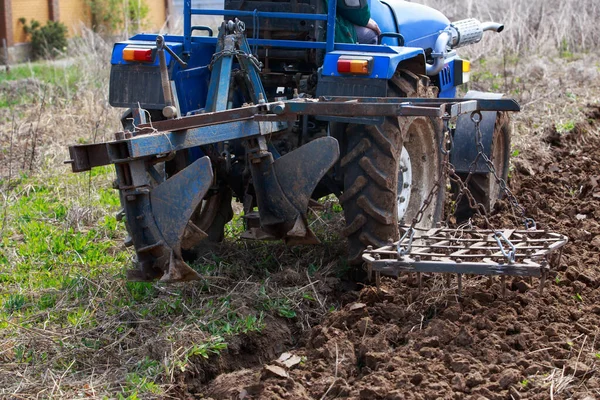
{"x":47,"y":41}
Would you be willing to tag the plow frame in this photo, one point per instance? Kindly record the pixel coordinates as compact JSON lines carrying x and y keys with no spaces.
{"x":163,"y":137}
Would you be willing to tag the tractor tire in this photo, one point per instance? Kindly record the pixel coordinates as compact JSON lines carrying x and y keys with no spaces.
{"x":389,"y":170}
{"x":211,"y":216}
{"x":483,"y":186}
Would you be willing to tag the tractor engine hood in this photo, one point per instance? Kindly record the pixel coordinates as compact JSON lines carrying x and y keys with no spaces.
{"x":420,"y":25}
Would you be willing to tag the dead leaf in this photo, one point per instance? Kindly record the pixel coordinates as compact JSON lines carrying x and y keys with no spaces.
{"x":292,"y":361}
{"x":284,"y":356}
{"x":357,"y":306}
{"x":275,"y":370}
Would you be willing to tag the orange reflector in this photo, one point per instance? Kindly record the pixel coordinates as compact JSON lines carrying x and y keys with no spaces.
{"x":358,"y":66}
{"x":137,"y":54}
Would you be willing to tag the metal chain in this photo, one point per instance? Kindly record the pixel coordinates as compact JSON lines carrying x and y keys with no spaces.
{"x":238,"y":53}
{"x":528,"y":222}
{"x":449,"y":172}
{"x":445,"y":147}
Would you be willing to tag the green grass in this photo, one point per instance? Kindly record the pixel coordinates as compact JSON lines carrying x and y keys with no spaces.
{"x":53,"y":82}
{"x":65,"y":305}
{"x":54,"y":74}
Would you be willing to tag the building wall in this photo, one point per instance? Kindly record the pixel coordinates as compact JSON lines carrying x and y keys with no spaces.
{"x":70,"y":12}
{"x":73,"y":13}
{"x":157,"y":15}
{"x":30,"y":9}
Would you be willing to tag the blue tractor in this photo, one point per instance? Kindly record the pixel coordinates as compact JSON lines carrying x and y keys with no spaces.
{"x":272,"y":111}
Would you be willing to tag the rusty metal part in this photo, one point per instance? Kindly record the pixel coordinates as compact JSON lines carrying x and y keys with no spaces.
{"x":469,"y":251}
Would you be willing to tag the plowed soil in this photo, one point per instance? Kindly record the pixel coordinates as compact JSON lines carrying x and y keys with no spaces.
{"x":392,"y":343}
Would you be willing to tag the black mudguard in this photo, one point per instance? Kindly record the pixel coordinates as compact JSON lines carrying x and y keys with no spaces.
{"x":464,"y":148}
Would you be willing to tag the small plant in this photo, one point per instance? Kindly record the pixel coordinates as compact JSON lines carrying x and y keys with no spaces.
{"x":524,"y":383}
{"x":578,"y":297}
{"x":47,"y":41}
{"x":565,"y":127}
{"x":597,"y":355}
{"x":214,"y":346}
{"x":14,"y":302}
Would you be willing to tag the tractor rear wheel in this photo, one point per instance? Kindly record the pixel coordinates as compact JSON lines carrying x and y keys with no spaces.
{"x":211,"y":216}
{"x":389,"y":170}
{"x":483,"y":186}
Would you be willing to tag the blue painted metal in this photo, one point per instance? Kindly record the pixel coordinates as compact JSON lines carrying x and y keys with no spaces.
{"x":420,"y":25}
{"x":218,"y":89}
{"x":261,"y":14}
{"x":384,"y":16}
{"x":174,"y":200}
{"x":446,"y":81}
{"x":150,"y":145}
{"x":384,"y":65}
{"x":256,"y":86}
{"x":187,"y":26}
{"x":331,"y":25}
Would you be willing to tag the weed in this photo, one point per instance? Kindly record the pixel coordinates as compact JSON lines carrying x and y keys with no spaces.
{"x":14,"y":303}
{"x":214,"y":346}
{"x":524,"y":383}
{"x":578,"y":297}
{"x":565,"y":127}
{"x":140,"y":291}
{"x":23,"y":354}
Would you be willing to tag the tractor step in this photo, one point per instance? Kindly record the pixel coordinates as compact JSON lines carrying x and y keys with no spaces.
{"x":467,"y":251}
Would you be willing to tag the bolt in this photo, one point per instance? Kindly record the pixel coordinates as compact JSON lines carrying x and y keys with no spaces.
{"x":405,"y":185}
{"x":401,"y":199}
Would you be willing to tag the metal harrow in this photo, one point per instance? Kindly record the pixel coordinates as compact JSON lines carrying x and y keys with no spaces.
{"x":508,"y":252}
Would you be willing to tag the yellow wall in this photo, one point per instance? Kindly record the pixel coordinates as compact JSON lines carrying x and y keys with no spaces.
{"x":74,"y":12}
{"x":30,"y":9}
{"x":157,"y":15}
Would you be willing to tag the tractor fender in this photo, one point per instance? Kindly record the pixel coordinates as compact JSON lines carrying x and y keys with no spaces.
{"x":385,"y":63}
{"x":464,"y":149}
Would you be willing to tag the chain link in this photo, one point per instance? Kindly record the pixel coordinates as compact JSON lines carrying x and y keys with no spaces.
{"x":445,"y":147}
{"x":449,"y":172}
{"x":238,"y":53}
